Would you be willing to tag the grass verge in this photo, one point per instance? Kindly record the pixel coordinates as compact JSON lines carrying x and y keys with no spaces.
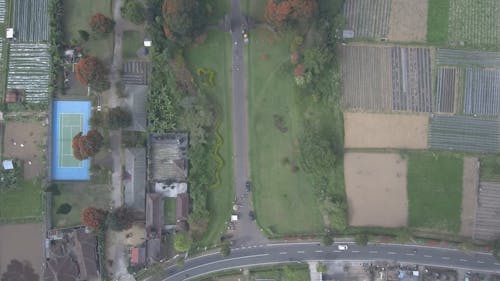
{"x":435,"y":190}
{"x":490,"y":168}
{"x":21,"y":204}
{"x":437,"y":21}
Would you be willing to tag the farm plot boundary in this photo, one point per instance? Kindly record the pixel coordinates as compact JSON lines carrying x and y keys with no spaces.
{"x":447,"y":89}
{"x":368,"y":18}
{"x":487,"y":223}
{"x":31,"y":20}
{"x":482,"y":91}
{"x":467,"y":58}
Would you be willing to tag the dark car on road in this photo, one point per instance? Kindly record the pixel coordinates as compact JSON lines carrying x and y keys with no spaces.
{"x":251,"y":215}
{"x":248,"y":186}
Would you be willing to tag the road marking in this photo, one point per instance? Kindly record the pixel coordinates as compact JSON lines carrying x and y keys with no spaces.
{"x":427,"y":256}
{"x":409,"y":254}
{"x":496,"y":263}
{"x":282,"y":253}
{"x":336,"y":251}
{"x":318,"y":251}
{"x":462,"y":260}
{"x":355,"y":251}
{"x":480,"y":261}
{"x":391,"y":253}
{"x":373,"y":252}
{"x":300,"y":252}
{"x":261,"y":246}
{"x":445,"y":258}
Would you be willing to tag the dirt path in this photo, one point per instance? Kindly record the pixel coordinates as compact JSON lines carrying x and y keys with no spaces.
{"x":469,"y":195}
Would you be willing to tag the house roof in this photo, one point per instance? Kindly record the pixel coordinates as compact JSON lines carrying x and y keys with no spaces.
{"x":154,"y":214}
{"x":12,"y":96}
{"x":169,"y":157}
{"x":138,"y":255}
{"x":135,"y":182}
{"x":137,"y":100}
{"x":182,"y":207}
{"x":86,"y":252}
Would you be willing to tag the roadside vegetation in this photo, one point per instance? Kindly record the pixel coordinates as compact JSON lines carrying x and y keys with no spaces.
{"x":490,"y":168}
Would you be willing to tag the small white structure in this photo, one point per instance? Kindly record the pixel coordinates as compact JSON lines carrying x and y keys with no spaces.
{"x":170,"y":190}
{"x":9,"y":33}
{"x":8,"y":164}
{"x":347,"y":34}
{"x":234,"y":218}
{"x":148,"y":43}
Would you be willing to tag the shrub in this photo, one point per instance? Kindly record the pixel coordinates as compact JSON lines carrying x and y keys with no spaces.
{"x":182,"y":242}
{"x":279,"y":13}
{"x":93,"y":218}
{"x":64,"y":209}
{"x":134,"y":11}
{"x":54,"y":189}
{"x":101,"y":24}
{"x":121,"y":219}
{"x":225,"y":249}
{"x":84,"y":35}
{"x":361,"y":239}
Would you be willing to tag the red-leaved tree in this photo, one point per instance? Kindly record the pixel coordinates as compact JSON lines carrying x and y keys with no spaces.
{"x":101,"y":24}
{"x":93,"y":218}
{"x":279,"y":12}
{"x":91,"y":71}
{"x":183,"y":20}
{"x":86,"y":146}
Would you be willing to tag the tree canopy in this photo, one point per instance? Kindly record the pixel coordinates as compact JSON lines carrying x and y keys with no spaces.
{"x":182,"y":242}
{"x":101,"y":24}
{"x":121,"y":218}
{"x":86,"y":146}
{"x":281,"y":12}
{"x":119,"y":117}
{"x":93,"y":218}
{"x":92,"y":72}
{"x":183,"y":20}
{"x":134,"y":11}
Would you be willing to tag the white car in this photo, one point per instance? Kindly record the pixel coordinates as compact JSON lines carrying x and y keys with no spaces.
{"x":342,"y":247}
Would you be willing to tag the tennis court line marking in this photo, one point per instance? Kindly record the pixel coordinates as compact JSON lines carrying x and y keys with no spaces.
{"x":63,"y":126}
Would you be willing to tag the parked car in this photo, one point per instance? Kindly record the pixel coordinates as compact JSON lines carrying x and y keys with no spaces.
{"x":248,"y":186}
{"x":251,"y":214}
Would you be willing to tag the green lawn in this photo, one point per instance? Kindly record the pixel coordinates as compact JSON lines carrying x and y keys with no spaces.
{"x":132,"y":42}
{"x":169,"y":209}
{"x":254,"y":8}
{"x":79,"y":196}
{"x":76,"y":17}
{"x":437,"y":21}
{"x":283,"y":200}
{"x":297,"y":272}
{"x":218,"y":8}
{"x":215,"y":54}
{"x":490,"y":168}
{"x":435,"y":191}
{"x":21,"y":204}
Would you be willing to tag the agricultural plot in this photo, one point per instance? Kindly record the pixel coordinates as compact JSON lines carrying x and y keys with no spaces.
{"x":368,"y":18}
{"x":451,"y":57}
{"x":406,"y":22}
{"x":31,"y":20}
{"x":474,"y":23}
{"x":366,"y":74}
{"x":487,"y":223}
{"x":482,"y":91}
{"x":411,"y":79}
{"x":386,"y":78}
{"x":464,"y":134}
{"x":29,"y":71}
{"x":136,"y":72}
{"x":3,"y":11}
{"x":446,"y":89}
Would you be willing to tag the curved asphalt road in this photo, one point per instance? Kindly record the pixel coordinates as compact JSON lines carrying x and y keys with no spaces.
{"x":297,"y":252}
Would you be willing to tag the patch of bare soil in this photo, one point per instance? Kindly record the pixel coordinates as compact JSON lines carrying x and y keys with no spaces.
{"x":25,"y":141}
{"x":408,"y":21}
{"x":370,"y":130}
{"x":469,"y":195}
{"x":22,"y":243}
{"x":376,"y":189}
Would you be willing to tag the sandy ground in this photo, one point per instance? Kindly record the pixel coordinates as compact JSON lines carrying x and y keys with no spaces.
{"x":22,"y":242}
{"x":22,"y":141}
{"x":469,"y":195}
{"x":369,"y":130}
{"x":408,"y":21}
{"x":376,"y":189}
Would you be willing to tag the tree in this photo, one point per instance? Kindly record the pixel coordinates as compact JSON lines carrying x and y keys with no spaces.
{"x":19,"y":271}
{"x":64,"y":209}
{"x":182,"y":242}
{"x":321,"y":267}
{"x":361,"y":239}
{"x":84,"y":35}
{"x":121,"y":218}
{"x":496,"y":249}
{"x":225,"y":249}
{"x":119,"y":117}
{"x":93,"y":218}
{"x":101,"y":24}
{"x":316,"y":153}
{"x":183,"y":20}
{"x":53,"y":188}
{"x":327,"y":239}
{"x":86,"y":146}
{"x":92,"y":72}
{"x":281,"y":12}
{"x":134,"y":11}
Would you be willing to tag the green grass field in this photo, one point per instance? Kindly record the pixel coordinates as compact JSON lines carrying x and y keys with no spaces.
{"x":21,"y":204}
{"x":435,"y":191}
{"x":132,"y":42}
{"x":215,"y":54}
{"x":254,"y":8}
{"x":437,"y":21}
{"x":79,"y":196}
{"x":76,"y":17}
{"x":169,"y":210}
{"x":490,"y":168}
{"x":284,"y":201}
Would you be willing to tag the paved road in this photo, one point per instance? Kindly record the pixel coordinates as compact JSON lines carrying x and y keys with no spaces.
{"x":280,"y":253}
{"x":247,"y":232}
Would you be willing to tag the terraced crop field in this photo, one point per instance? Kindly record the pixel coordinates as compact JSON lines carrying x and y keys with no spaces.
{"x":449,"y":57}
{"x":474,"y":23}
{"x":368,"y":18}
{"x":487,"y":222}
{"x":31,"y":20}
{"x":482,"y":91}
{"x":29,"y":71}
{"x":446,"y":89}
{"x":464,"y":133}
{"x":3,"y":9}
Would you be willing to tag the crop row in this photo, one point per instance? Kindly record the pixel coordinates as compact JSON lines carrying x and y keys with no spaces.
{"x":464,"y":133}
{"x":474,"y":23}
{"x":446,"y":88}
{"x":368,"y":18}
{"x":468,"y":58}
{"x":2,"y":11}
{"x":482,"y":92}
{"x":29,"y":71}
{"x":487,"y":221}
{"x":31,"y":20}
{"x":136,"y":72}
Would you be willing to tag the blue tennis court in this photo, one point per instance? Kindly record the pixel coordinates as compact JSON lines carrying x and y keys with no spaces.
{"x":69,"y":118}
